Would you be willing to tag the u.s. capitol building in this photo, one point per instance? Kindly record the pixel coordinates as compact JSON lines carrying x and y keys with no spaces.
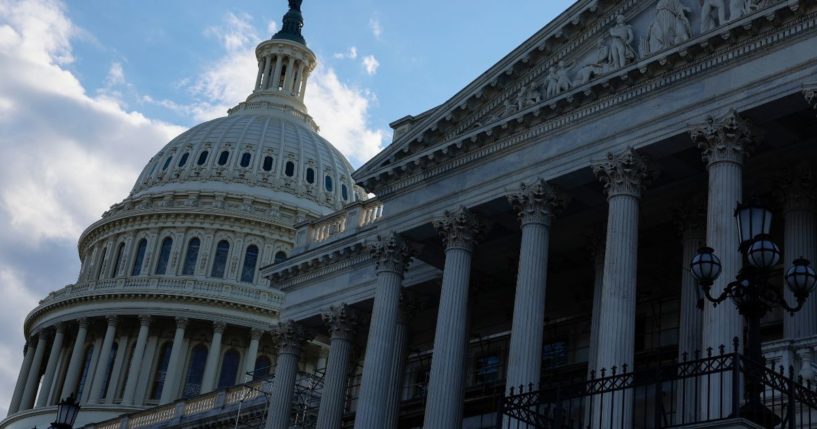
{"x":533,"y":230}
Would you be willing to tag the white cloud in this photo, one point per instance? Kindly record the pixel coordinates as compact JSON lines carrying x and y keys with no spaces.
{"x":371,"y":64}
{"x":377,"y":29}
{"x":350,"y":54}
{"x":342,"y":113}
{"x":67,"y":156}
{"x":272,"y":27}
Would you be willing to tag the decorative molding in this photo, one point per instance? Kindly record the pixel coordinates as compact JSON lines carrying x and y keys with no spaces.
{"x":322,"y":263}
{"x":219,"y":326}
{"x":726,"y":139}
{"x":459,"y":229}
{"x":343,"y":321}
{"x":391,"y":253}
{"x":290,"y":337}
{"x":625,"y":173}
{"x":810,"y":93}
{"x":181,"y":322}
{"x":537,"y":202}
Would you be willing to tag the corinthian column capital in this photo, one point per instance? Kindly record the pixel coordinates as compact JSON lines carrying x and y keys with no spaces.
{"x":459,"y":229}
{"x":391,"y":253}
{"x":290,"y":337}
{"x":342,"y":321}
{"x":537,"y":202}
{"x":726,"y":139}
{"x":795,"y":189}
{"x":625,"y":173}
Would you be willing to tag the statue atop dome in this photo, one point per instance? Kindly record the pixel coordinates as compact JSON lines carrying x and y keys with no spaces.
{"x":295,"y":4}
{"x":293,"y":22}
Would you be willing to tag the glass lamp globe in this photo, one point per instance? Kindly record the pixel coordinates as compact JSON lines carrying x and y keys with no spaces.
{"x":763,"y":253}
{"x":801,"y":278}
{"x":705,"y":266}
{"x":753,"y":220}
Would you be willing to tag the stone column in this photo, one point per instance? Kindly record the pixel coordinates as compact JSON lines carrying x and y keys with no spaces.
{"x":276,"y":76}
{"x":51,"y":365}
{"x":14,"y":406}
{"x":534,"y":205}
{"x":800,"y":240}
{"x":446,"y":386}
{"x":252,"y":354}
{"x":342,"y":322}
{"x":691,"y":222}
{"x":392,"y":256}
{"x":398,"y":368}
{"x":208,"y":379}
{"x":171,"y":384}
{"x":266,"y":78}
{"x":33,"y":379}
{"x":723,"y":143}
{"x":69,"y":386}
{"x":136,"y":360}
{"x":623,"y":176}
{"x":261,"y":66}
{"x":289,"y":76}
{"x":291,"y":338}
{"x":118,"y":368}
{"x":595,"y":249}
{"x":99,"y":379}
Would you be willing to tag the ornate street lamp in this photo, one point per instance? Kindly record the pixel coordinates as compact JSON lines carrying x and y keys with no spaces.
{"x":67,"y":411}
{"x":751,"y":291}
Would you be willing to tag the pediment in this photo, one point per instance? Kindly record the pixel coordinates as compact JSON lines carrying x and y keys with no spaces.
{"x":593,"y":49}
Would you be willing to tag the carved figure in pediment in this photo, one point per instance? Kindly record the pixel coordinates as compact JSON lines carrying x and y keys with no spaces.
{"x":621,"y":51}
{"x":551,"y":82}
{"x":669,"y":28}
{"x":594,"y":69}
{"x":713,"y":14}
{"x":508,"y":108}
{"x":563,"y":82}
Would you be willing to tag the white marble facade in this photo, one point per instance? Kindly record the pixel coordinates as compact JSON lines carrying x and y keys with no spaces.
{"x":618,"y":116}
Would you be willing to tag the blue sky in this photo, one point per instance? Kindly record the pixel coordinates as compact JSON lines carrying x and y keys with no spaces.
{"x":90,"y":90}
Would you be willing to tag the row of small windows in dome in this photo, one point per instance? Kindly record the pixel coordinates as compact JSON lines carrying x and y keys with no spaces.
{"x":218,"y":269}
{"x":266,"y":165}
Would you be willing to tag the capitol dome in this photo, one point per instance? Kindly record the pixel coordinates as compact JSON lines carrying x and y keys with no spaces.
{"x":260,"y":150}
{"x":169,"y":302}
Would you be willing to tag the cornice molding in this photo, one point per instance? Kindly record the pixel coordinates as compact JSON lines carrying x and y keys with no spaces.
{"x":320,"y":264}
{"x":650,"y":75}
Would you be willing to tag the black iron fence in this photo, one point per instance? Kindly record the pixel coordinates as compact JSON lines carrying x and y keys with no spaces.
{"x":700,"y":388}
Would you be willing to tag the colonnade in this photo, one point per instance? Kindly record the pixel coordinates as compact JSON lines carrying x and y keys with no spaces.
{"x":624,"y":175}
{"x":282,"y":72}
{"x":118,"y":360}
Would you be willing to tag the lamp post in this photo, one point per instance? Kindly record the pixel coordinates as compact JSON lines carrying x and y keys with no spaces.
{"x":752,"y":292}
{"x":67,"y":411}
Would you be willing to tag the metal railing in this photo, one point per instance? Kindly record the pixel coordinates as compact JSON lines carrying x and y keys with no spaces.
{"x":706,"y":388}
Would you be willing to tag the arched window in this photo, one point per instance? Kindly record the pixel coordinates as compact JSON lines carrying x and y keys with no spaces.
{"x":327,"y":183}
{"x":202,"y":158}
{"x":289,"y":169}
{"x":118,"y":260}
{"x":164,"y":255}
{"x":183,"y":160}
{"x":195,"y":371}
{"x":101,"y":263}
{"x":161,"y":370}
{"x":191,"y":257}
{"x":86,"y":368}
{"x":167,"y":163}
{"x":344,"y":192}
{"x":245,"y":159}
{"x":267,"y":166}
{"x":140,"y":257}
{"x":262,"y":367}
{"x":223,"y":157}
{"x":109,"y":369}
{"x":229,"y":368}
{"x":250,"y":261}
{"x":280,"y":257}
{"x":220,"y":260}
{"x":310,"y":175}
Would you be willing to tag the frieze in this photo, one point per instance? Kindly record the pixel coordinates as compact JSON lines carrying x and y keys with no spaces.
{"x":453,"y":154}
{"x":319,"y":265}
